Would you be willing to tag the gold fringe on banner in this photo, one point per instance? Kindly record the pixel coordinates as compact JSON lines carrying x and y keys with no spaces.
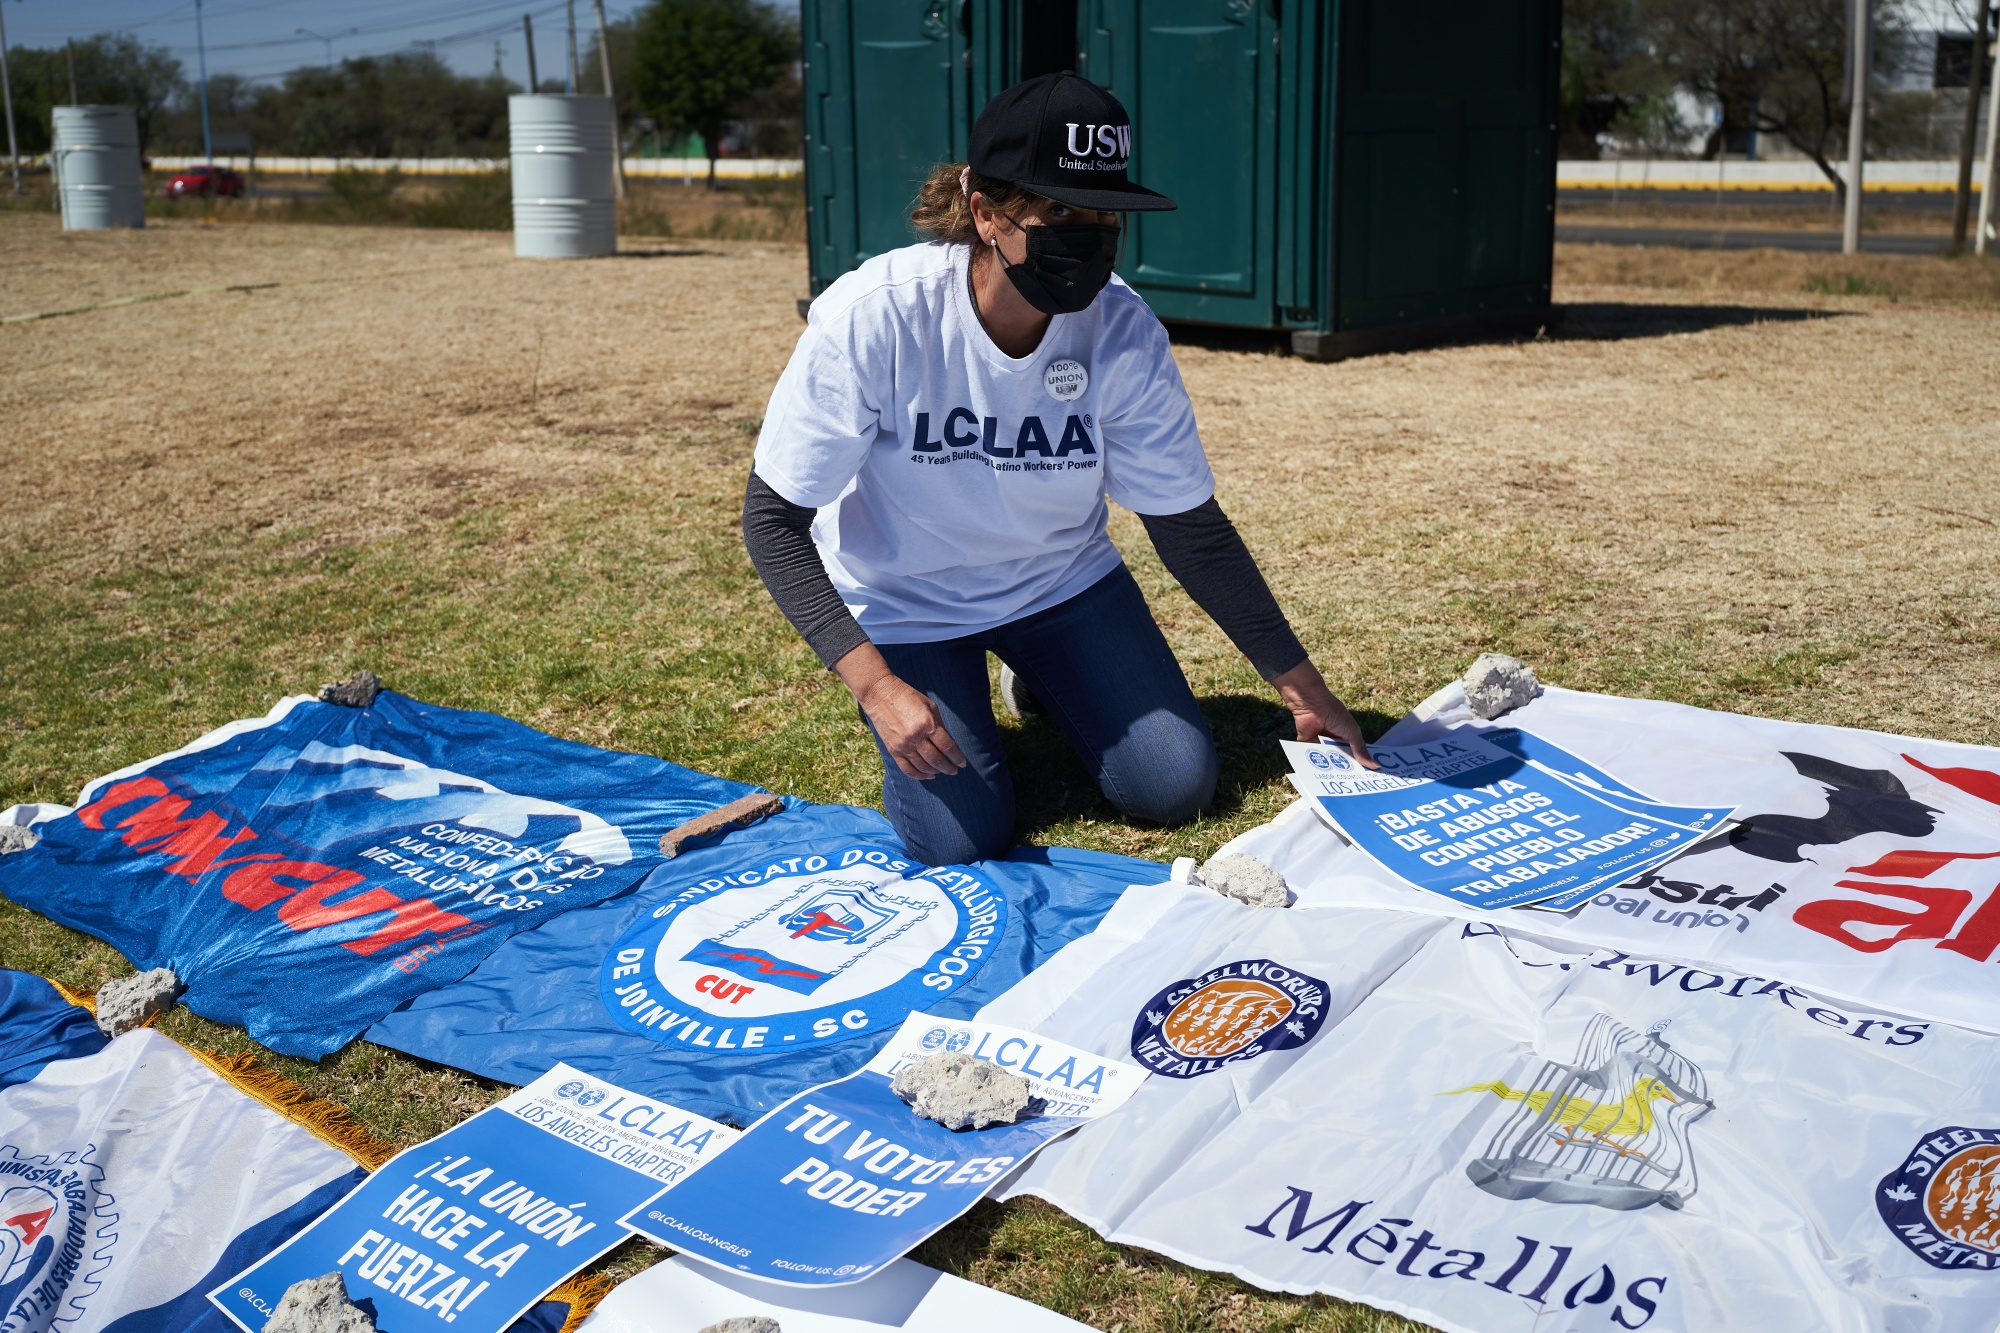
{"x":324,"y":1120}
{"x":583,"y":1292}
{"x":82,"y":999}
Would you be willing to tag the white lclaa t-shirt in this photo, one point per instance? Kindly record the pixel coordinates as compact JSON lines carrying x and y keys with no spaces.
{"x":959,"y":488}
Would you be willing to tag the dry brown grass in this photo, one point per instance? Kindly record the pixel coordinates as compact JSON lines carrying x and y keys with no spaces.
{"x":1713,"y":274}
{"x":514,"y":485}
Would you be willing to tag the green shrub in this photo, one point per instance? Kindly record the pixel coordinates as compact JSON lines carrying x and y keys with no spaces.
{"x":480,"y":202}
{"x":366,"y":196}
{"x":1849,"y":284}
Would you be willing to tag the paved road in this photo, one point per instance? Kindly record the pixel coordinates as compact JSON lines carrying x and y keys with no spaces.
{"x":1900,"y":201}
{"x":1747,"y":238}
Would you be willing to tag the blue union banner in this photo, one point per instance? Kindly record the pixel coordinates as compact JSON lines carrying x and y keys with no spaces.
{"x":380,"y":852}
{"x":776,"y":960}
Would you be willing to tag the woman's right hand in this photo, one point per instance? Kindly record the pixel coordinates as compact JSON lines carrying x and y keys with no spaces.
{"x":909,"y":724}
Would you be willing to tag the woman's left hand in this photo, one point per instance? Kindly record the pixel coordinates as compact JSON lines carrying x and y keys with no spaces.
{"x":1316,"y":712}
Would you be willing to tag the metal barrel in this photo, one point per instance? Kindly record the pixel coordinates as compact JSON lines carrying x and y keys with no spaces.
{"x":96,"y":158}
{"x":561,"y":147}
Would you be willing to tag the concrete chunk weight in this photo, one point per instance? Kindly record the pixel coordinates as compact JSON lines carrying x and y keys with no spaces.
{"x":1497,"y":683}
{"x":960,"y":1092}
{"x":318,"y":1305}
{"x":129,"y":1001}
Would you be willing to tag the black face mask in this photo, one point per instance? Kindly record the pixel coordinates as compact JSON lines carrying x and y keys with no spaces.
{"x":1066,"y":266}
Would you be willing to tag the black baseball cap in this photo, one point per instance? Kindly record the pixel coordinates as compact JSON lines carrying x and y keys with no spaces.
{"x":1064,"y":138}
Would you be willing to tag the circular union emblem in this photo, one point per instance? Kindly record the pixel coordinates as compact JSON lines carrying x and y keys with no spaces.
{"x":1066,"y":380}
{"x":569,"y":1089}
{"x":934,"y":1039}
{"x":38,"y":1220}
{"x":1235,"y":1012}
{"x":1321,"y":759}
{"x":590,"y":1098}
{"x":1944,"y":1201}
{"x":801,"y":950}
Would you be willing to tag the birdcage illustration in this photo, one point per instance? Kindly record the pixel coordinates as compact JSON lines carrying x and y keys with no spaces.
{"x":1609,"y":1129}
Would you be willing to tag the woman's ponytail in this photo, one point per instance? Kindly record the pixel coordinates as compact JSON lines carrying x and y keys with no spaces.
{"x":944,"y":202}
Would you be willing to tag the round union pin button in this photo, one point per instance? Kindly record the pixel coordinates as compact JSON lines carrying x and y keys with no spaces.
{"x":1066,"y":379}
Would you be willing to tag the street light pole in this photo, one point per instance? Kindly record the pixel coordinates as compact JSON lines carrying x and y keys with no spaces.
{"x":7,"y":95}
{"x":1857,"y":125}
{"x":1968,"y":140}
{"x":1986,"y":191}
{"x":201,"y":57}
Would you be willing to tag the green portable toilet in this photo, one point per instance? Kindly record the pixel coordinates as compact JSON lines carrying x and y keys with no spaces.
{"x":1364,"y":174}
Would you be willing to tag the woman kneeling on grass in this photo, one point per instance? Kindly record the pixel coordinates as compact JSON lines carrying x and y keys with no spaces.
{"x":931,"y":479}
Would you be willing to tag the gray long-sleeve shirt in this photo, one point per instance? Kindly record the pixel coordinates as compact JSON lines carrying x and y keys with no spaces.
{"x":1200,"y":547}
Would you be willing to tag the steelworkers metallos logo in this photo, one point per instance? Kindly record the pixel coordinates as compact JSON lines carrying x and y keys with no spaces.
{"x":801,"y":950}
{"x":1944,"y":1200}
{"x":1235,"y":1012}
{"x":55,"y":1237}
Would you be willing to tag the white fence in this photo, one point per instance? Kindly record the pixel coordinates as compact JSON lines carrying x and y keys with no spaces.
{"x":1737,"y":175}
{"x":695,"y":168}
{"x":1631,"y":174}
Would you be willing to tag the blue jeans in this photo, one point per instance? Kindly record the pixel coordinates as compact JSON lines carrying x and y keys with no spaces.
{"x":1103,"y":673}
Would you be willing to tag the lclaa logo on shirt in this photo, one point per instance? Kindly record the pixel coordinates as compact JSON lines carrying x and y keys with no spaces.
{"x":965,"y":429}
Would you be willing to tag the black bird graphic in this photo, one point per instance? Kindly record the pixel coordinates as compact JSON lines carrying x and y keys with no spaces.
{"x":1858,"y":801}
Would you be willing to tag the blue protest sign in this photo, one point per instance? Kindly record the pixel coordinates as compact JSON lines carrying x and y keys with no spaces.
{"x":381,"y":851}
{"x":475,"y":1225}
{"x":843,"y":1179}
{"x":778,"y":959}
{"x":1490,"y":827}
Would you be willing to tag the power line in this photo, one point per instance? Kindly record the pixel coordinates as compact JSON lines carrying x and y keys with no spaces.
{"x":508,"y":7}
{"x":486,"y":19}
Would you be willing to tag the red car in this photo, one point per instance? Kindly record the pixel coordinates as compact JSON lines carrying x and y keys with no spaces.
{"x":210,"y":181}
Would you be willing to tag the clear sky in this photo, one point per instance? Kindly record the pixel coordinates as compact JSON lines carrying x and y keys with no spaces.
{"x":260,"y":39}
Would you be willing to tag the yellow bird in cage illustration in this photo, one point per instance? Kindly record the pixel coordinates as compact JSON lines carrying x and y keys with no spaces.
{"x":1623,"y":1119}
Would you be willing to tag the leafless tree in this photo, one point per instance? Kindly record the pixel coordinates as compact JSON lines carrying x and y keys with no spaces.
{"x":1772,"y":66}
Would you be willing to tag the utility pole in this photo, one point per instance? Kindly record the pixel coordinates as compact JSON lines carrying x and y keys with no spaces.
{"x":571,"y":80}
{"x":327,"y":41}
{"x":498,"y":72}
{"x":326,"y":62}
{"x":604,"y":68}
{"x":1962,"y":205}
{"x":1992,"y":170}
{"x":7,"y":95}
{"x":201,"y":54}
{"x":1857,"y":124}
{"x":528,"y":36}
{"x":69,"y":54}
